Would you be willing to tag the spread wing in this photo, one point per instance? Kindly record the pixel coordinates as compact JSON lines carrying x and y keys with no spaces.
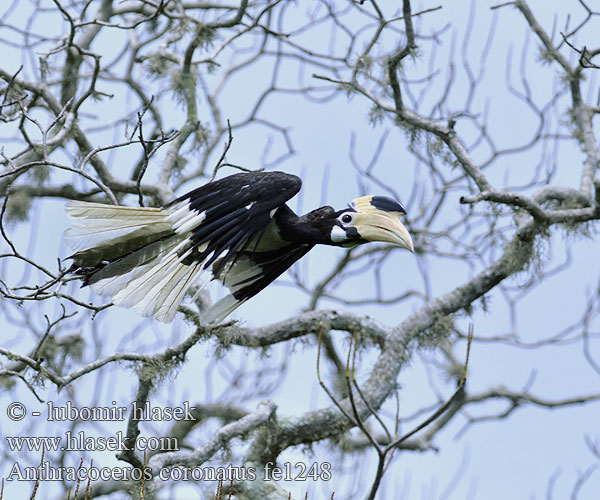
{"x":222,"y":218}
{"x":216,"y":232}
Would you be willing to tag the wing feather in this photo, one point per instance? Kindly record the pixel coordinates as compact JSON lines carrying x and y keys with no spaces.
{"x":250,"y":273}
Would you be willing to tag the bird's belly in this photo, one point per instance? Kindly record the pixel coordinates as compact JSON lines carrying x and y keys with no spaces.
{"x":269,"y":239}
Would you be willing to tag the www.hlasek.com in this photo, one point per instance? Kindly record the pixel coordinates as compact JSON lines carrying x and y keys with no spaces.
{"x":287,"y":471}
{"x":78,"y":441}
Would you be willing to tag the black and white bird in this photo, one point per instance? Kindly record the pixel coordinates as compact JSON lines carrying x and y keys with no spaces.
{"x":237,"y":230}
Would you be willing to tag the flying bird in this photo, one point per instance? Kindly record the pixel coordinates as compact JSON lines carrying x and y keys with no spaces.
{"x":237,"y":230}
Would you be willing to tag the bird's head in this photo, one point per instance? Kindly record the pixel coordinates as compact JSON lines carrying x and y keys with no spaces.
{"x":370,"y":218}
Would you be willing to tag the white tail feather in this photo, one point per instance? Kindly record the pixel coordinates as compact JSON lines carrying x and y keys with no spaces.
{"x":97,"y":224}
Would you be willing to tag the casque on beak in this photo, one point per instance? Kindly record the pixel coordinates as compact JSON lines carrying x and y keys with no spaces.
{"x":378,"y":219}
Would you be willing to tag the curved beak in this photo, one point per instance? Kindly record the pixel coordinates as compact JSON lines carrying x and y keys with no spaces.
{"x":377,"y":225}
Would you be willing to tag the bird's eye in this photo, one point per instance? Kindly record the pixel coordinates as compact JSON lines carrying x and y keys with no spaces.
{"x":346,"y":218}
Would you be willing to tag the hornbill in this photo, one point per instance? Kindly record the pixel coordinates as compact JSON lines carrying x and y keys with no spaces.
{"x":237,"y":230}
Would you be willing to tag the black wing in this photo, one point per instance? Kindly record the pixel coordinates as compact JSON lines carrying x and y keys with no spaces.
{"x":229,"y":229}
{"x":222,"y":218}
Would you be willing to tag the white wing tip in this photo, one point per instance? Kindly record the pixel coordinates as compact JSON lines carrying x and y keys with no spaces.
{"x":221,"y":309}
